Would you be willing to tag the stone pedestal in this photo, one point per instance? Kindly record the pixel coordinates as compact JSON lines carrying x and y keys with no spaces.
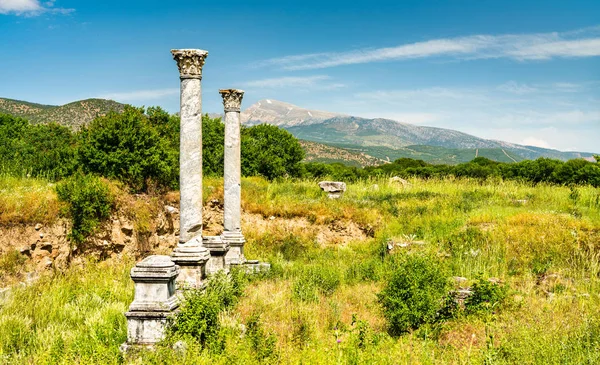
{"x":232,"y":228}
{"x":154,"y":299}
{"x":218,"y":249}
{"x":191,"y":258}
{"x":190,"y":63}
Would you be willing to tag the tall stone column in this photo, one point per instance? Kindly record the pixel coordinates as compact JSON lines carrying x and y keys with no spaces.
{"x":232,"y":101}
{"x":190,"y":63}
{"x":190,"y":255}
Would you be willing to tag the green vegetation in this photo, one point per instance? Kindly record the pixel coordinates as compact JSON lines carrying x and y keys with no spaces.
{"x":367,"y":278}
{"x":127,"y":147}
{"x":415,"y":293}
{"x":89,"y":201}
{"x":326,"y":301}
{"x":544,"y":170}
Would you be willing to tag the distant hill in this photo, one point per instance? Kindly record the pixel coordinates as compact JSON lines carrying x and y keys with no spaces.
{"x":388,"y":139}
{"x":282,"y":114}
{"x":317,"y":152}
{"x":73,"y":115}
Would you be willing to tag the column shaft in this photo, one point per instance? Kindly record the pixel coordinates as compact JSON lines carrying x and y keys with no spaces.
{"x":190,"y":63}
{"x":190,"y":160}
{"x":232,"y":174}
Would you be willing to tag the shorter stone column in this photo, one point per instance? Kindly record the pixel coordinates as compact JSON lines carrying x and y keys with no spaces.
{"x":232,"y":233}
{"x":218,"y":249}
{"x":154,"y":300}
{"x":191,"y":258}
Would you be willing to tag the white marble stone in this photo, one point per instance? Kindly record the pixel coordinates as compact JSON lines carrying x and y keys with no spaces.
{"x":232,"y":229}
{"x":191,"y":259}
{"x":335,"y":189}
{"x":218,"y":250}
{"x":154,"y":299}
{"x":190,"y":63}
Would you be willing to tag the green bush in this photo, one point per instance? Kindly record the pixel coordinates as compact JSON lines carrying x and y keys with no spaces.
{"x":127,"y":147}
{"x":88,"y":201}
{"x":44,"y":150}
{"x":198,"y":317}
{"x":263,"y":344}
{"x":487,"y":296}
{"x":270,"y":151}
{"x":414,"y":293}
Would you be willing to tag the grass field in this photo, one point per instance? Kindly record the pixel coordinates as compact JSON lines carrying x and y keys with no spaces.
{"x":319,"y":303}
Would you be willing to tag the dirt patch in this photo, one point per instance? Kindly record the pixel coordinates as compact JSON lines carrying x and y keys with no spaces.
{"x":334,"y":233}
{"x":46,"y":246}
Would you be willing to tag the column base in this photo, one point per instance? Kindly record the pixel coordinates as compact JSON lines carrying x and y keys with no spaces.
{"x":218,"y":249}
{"x":191,"y":258}
{"x":145,"y":328}
{"x":236,"y":241}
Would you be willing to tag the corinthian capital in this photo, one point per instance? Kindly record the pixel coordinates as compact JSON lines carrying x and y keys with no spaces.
{"x":190,"y":62}
{"x":232,"y":99}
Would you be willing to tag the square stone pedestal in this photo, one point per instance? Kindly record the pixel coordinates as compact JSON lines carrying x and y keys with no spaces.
{"x":235,"y":255}
{"x":191,"y":258}
{"x":154,"y":299}
{"x":218,"y":249}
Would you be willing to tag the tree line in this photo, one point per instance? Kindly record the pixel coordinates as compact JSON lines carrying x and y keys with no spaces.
{"x":140,"y":147}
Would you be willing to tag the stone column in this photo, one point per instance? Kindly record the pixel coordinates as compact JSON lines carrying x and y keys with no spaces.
{"x":190,"y":254}
{"x":190,"y":62}
{"x":232,"y":101}
{"x":154,"y":300}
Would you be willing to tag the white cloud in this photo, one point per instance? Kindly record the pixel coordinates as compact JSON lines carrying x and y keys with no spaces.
{"x":536,"y":142}
{"x":30,"y":7}
{"x":521,"y":47}
{"x":316,"y":81}
{"x":516,"y":88}
{"x":140,"y":95}
{"x":411,"y":118}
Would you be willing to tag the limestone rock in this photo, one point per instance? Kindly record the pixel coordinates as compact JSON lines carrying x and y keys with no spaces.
{"x":399,"y":180}
{"x":335,"y":189}
{"x":38,"y":226}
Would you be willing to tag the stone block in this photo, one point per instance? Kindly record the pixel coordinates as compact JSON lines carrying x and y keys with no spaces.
{"x":154,"y":299}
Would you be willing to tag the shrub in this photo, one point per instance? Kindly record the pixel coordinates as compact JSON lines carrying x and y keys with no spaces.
{"x":88,"y":201}
{"x":198,"y":317}
{"x":127,"y":147}
{"x":414,"y":293}
{"x":11,"y":262}
{"x":263,"y":344}
{"x":486,"y":297}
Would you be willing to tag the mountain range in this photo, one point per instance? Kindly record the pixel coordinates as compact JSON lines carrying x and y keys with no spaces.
{"x":326,"y":136}
{"x":388,"y":139}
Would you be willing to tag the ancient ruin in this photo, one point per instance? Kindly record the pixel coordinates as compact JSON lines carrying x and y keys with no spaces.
{"x":158,"y":277}
{"x":154,"y":300}
{"x":232,"y":234}
{"x":190,"y":254}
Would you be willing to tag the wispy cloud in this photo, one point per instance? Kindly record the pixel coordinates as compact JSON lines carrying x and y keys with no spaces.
{"x":514,"y":87}
{"x":317,"y":81}
{"x":31,"y":7}
{"x":520,"y":47}
{"x":140,"y":95}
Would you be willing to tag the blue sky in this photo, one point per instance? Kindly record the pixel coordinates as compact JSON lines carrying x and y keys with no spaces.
{"x":520,"y":71}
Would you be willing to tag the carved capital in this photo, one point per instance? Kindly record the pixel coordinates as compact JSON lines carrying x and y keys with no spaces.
{"x":232,"y":99}
{"x":190,"y":62}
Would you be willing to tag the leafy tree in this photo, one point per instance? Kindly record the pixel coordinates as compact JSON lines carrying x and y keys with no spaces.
{"x":213,"y":140}
{"x":270,"y":151}
{"x":128,"y":148}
